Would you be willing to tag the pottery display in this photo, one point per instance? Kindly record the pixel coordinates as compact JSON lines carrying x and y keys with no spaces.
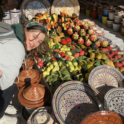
{"x":117,"y":19}
{"x":15,"y":16}
{"x":122,"y":31}
{"x":30,"y":63}
{"x":34,"y":95}
{"x":116,"y":27}
{"x":42,"y":115}
{"x":114,"y":101}
{"x":111,"y":15}
{"x":6,"y":20}
{"x":72,"y":101}
{"x":28,"y":73}
{"x":7,"y":14}
{"x":103,"y":117}
{"x":104,"y":20}
{"x":67,"y":6}
{"x":105,"y":75}
{"x":109,"y":23}
{"x":29,"y":8}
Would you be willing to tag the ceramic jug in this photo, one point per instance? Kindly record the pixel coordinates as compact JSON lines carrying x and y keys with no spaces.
{"x":15,"y":16}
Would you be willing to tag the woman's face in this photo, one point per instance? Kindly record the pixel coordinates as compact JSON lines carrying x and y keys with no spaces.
{"x":33,"y":39}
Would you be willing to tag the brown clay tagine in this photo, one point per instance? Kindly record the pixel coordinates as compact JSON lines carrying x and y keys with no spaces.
{"x":28,"y":73}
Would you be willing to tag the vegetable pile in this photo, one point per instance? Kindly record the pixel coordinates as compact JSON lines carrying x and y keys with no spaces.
{"x":76,"y":50}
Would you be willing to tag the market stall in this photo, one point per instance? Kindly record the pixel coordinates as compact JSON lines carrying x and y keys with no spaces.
{"x":83,"y":75}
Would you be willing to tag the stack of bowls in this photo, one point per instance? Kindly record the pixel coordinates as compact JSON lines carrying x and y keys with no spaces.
{"x":100,"y":12}
{"x":7,"y":18}
{"x":110,"y":20}
{"x":105,"y":15}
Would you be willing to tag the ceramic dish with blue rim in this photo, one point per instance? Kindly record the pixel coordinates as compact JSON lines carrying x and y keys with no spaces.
{"x":114,"y":101}
{"x":104,"y":38}
{"x":105,"y":75}
{"x":72,"y":102}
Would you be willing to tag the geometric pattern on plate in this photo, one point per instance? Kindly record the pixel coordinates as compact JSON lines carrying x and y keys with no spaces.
{"x":67,"y":6}
{"x":105,"y":75}
{"x":114,"y":100}
{"x":72,"y":102}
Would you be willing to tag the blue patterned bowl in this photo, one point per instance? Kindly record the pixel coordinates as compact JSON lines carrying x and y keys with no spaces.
{"x":105,"y":75}
{"x":72,"y":101}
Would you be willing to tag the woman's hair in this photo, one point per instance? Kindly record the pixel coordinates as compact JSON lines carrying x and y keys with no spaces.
{"x":43,"y":48}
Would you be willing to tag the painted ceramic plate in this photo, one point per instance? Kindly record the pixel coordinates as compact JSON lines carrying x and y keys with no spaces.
{"x":72,"y":101}
{"x":103,"y":117}
{"x":105,"y":75}
{"x":67,"y":6}
{"x":31,"y":7}
{"x":114,"y":101}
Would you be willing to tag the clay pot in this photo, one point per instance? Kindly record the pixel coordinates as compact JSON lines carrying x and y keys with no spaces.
{"x":122,"y":31}
{"x":109,"y":23}
{"x":117,"y":19}
{"x":93,"y":14}
{"x":116,"y":27}
{"x":28,"y":73}
{"x":34,"y":95}
{"x":34,"y":92}
{"x":30,"y":63}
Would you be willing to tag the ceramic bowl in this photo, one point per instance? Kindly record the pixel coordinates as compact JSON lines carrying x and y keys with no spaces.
{"x":116,"y":27}
{"x":111,"y":16}
{"x":109,"y":23}
{"x":114,"y":101}
{"x":72,"y":101}
{"x":105,"y":75}
{"x":6,"y":20}
{"x":103,"y":117}
{"x":117,"y":19}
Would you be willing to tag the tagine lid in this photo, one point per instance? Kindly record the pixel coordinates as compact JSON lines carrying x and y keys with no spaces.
{"x":27,"y":73}
{"x":34,"y":92}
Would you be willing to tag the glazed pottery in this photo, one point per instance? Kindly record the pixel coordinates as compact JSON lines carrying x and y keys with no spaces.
{"x":8,"y":21}
{"x":104,"y":38}
{"x":28,"y":73}
{"x":33,"y":104}
{"x":88,"y":12}
{"x":67,"y":6}
{"x":114,"y":101}
{"x":116,"y":27}
{"x":29,"y":8}
{"x":41,"y":115}
{"x":109,"y":23}
{"x":72,"y":101}
{"x":30,"y":63}
{"x":105,"y":75}
{"x":104,"y":20}
{"x":105,"y":12}
{"x":122,"y":31}
{"x":111,"y":16}
{"x":15,"y":16}
{"x":117,"y":19}
{"x":100,"y":18}
{"x":33,"y":92}
{"x":103,"y":117}
{"x":7,"y":14}
{"x":94,"y":14}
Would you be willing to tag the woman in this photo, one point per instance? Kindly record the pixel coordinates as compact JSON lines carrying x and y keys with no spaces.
{"x":14,"y":41}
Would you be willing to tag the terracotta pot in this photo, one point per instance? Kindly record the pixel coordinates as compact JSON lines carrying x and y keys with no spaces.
{"x":116,"y":27}
{"x":93,"y":14}
{"x":30,"y":63}
{"x":122,"y":31}
{"x":109,"y":23}
{"x":117,"y":19}
{"x":34,"y":92}
{"x":37,"y":103}
{"x":28,"y":73}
